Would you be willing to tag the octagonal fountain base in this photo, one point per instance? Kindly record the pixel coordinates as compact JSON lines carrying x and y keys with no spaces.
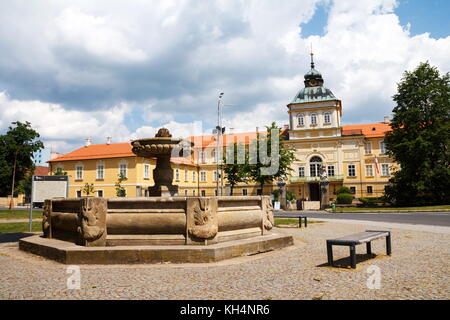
{"x":152,"y":230}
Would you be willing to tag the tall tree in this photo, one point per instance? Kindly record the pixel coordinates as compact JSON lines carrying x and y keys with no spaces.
{"x":235,"y":165}
{"x":17,"y":147}
{"x":420,"y":136}
{"x":273,"y":158}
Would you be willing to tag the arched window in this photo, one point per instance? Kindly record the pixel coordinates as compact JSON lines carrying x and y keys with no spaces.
{"x":315,"y":165}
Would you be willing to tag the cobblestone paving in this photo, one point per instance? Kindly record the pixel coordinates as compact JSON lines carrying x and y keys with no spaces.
{"x":418,"y":269}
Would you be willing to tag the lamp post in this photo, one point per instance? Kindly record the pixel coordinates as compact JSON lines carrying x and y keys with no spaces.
{"x":219,"y":134}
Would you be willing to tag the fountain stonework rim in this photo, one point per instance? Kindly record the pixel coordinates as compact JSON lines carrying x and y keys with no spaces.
{"x":176,"y":229}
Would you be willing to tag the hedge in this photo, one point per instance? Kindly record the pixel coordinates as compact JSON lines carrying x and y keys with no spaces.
{"x":344,"y":198}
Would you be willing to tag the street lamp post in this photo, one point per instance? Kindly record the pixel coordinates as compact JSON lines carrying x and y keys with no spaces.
{"x":219,"y":134}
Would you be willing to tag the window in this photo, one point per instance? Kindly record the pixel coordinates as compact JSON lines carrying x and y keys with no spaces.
{"x":193,"y":192}
{"x":368,"y":148}
{"x":185,"y":193}
{"x":100,"y":193}
{"x":100,"y":171}
{"x":215,"y":192}
{"x":146,"y":171}
{"x":330,"y":171}
{"x":382,"y":147}
{"x":203,"y":193}
{"x":369,"y":170}
{"x":79,"y":174}
{"x":244,"y":192}
{"x":123,"y":170}
{"x":314,"y":119}
{"x":353,"y":190}
{"x":259,"y":192}
{"x":369,"y":189}
{"x":215,"y":177}
{"x":202,"y":157}
{"x":301,"y":171}
{"x":193,"y":176}
{"x":301,"y":120}
{"x":78,"y":193}
{"x":351,"y":170}
{"x":177,"y":174}
{"x":186,"y":172}
{"x":315,"y":166}
{"x":385,"y":169}
{"x":202,"y":176}
{"x":327,"y":118}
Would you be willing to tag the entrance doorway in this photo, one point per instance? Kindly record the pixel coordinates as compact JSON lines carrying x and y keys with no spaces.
{"x":314,"y":192}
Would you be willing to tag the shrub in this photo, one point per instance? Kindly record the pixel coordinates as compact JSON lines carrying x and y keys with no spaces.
{"x":344,"y":198}
{"x":343,"y":190}
{"x":290,"y":196}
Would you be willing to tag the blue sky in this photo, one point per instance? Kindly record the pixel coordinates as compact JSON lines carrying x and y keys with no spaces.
{"x":79,"y":69}
{"x":423,"y":15}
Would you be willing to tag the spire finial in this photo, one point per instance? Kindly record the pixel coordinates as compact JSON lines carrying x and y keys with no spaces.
{"x":312,"y":59}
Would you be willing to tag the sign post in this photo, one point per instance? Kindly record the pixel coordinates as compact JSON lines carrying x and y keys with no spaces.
{"x":47,"y":187}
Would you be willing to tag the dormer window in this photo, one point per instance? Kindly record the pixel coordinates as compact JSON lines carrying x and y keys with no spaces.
{"x":301,"y":120}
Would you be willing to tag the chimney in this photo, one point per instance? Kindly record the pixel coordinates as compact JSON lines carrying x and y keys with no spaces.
{"x":54,"y":155}
{"x":386,"y":119}
{"x":88,"y":142}
{"x":108,"y":140}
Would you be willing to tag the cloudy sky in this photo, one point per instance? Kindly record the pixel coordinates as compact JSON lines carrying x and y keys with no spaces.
{"x":78,"y":69}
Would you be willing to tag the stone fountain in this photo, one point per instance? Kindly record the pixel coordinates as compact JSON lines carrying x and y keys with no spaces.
{"x":162,"y":146}
{"x":160,"y":228}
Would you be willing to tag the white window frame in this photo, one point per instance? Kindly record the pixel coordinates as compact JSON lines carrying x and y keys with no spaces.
{"x":202,"y":156}
{"x":121,"y":165}
{"x":331,"y":169}
{"x":314,"y":117}
{"x":245,"y":192}
{"x":186,"y":175}
{"x":385,"y":170}
{"x":301,"y":120}
{"x":325,"y":116}
{"x":203,"y":176}
{"x":368,"y":148}
{"x":301,"y":171}
{"x":382,"y":147}
{"x":97,"y":175}
{"x":79,"y":193}
{"x":194,"y":178}
{"x":103,"y":193}
{"x":353,"y":170}
{"x":203,"y":193}
{"x":146,"y":171}
{"x":367,"y":189}
{"x":79,"y":173}
{"x":177,"y":174}
{"x":215,"y":176}
{"x":369,"y":170}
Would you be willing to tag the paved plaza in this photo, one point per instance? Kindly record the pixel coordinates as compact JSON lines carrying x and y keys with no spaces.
{"x":418,"y":269}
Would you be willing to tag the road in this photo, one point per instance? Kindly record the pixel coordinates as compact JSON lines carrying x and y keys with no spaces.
{"x":423,"y":218}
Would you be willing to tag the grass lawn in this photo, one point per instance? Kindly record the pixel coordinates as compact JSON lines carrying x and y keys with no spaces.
{"x":292,"y":221}
{"x":19,"y":214}
{"x":19,"y":227}
{"x":387,"y":209}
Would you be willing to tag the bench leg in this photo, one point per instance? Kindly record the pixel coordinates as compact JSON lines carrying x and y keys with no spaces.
{"x":353,"y":256}
{"x":330,"y":254}
{"x":388,"y":245}
{"x":369,"y":247}
{"x":306,"y":222}
{"x":299,"y":222}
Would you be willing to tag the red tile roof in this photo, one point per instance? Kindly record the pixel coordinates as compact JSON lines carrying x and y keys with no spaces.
{"x":370,"y":130}
{"x":98,"y":151}
{"x":41,"y":171}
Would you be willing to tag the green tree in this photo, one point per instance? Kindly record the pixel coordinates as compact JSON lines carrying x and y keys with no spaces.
{"x":419,"y":140}
{"x":285,"y":156}
{"x":120,"y":191}
{"x":235,"y":169}
{"x":88,"y":189}
{"x":60,"y":172}
{"x":17,"y":147}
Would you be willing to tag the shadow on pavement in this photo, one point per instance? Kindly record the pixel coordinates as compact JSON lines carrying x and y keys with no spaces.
{"x":345,"y":262}
{"x":14,"y":237}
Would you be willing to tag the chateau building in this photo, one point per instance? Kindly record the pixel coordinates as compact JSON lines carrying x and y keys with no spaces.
{"x":348,"y":155}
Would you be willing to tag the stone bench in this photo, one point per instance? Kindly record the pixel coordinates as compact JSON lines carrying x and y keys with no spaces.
{"x":355,"y":239}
